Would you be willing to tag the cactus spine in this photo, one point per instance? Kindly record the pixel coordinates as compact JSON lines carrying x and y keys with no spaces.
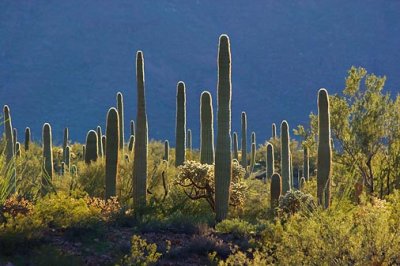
{"x":285,"y":157}
{"x":270,"y":161}
{"x":131,"y":143}
{"x":132,"y":127}
{"x":273,"y":131}
{"x":91,"y":147}
{"x":206,"y":128}
{"x":27,"y":138}
{"x":141,"y":136}
{"x":166,"y":150}
{"x":306,"y":164}
{"x":324,"y":162}
{"x":112,"y":133}
{"x":235,"y":146}
{"x":189,"y":140}
{"x":276,"y":190}
{"x":120,"y":107}
{"x":244,"y":140}
{"x":223,"y":159}
{"x":65,"y":141}
{"x":180,"y":148}
{"x":99,"y":142}
{"x":48,"y":157}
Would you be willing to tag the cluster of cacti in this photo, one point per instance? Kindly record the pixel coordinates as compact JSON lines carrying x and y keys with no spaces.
{"x":27,"y":138}
{"x":91,"y":147}
{"x":244,"y":140}
{"x":180,"y":146}
{"x":120,"y":108}
{"x":141,"y":135}
{"x":223,"y":160}
{"x":112,"y":133}
{"x":324,"y":157}
{"x":285,"y":157}
{"x":206,"y":129}
{"x":47,"y":142}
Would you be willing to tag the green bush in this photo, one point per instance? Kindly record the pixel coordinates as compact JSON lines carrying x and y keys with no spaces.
{"x":142,"y":253}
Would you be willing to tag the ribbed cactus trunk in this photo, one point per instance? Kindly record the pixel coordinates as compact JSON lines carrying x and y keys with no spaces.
{"x":244,"y":140}
{"x":112,"y":152}
{"x":15,"y":138}
{"x":103,"y":142}
{"x":132,"y":128}
{"x":235,"y":146}
{"x":276,"y":189}
{"x":10,"y":150}
{"x":27,"y":138}
{"x":48,"y":158}
{"x":306,"y":164}
{"x":68,"y":156}
{"x":223,"y":158}
{"x":91,"y":147}
{"x":206,"y":129}
{"x":189,"y":140}
{"x":273,"y":131}
{"x":99,"y":142}
{"x":166,"y":150}
{"x":65,"y":141}
{"x":141,"y":138}
{"x":180,"y":146}
{"x":120,"y":107}
{"x":285,"y":157}
{"x":270,"y":161}
{"x":324,"y":161}
{"x":131,"y":143}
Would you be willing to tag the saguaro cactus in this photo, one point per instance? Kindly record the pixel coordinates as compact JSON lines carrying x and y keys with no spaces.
{"x":48,"y":157}
{"x":324,"y":162}
{"x":112,"y":133}
{"x":206,"y":128}
{"x":180,"y":149}
{"x":120,"y":107}
{"x":10,"y":148}
{"x":83,"y":152}
{"x":189,"y":140}
{"x":103,"y":142}
{"x":306,"y":164}
{"x":273,"y":131}
{"x":99,"y":143}
{"x":141,"y":138}
{"x":270,"y":161}
{"x":253,"y":137}
{"x":132,"y":127}
{"x":91,"y":147}
{"x":276,"y":189}
{"x":65,"y":141}
{"x":131,"y":143}
{"x":253,"y":157}
{"x":67,"y":156}
{"x":223,"y":159}
{"x":166,"y":150}
{"x":15,"y":138}
{"x":285,"y":157}
{"x":27,"y":138}
{"x":244,"y":140}
{"x":235,"y":146}
{"x":18,"y":149}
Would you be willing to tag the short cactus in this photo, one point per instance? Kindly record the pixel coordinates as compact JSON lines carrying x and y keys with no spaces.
{"x":273,"y":131}
{"x":235,"y":146}
{"x":206,"y":129}
{"x":180,"y":146}
{"x":91,"y":147}
{"x":18,"y":149}
{"x":166,"y":150}
{"x":120,"y":107}
{"x":112,"y":133}
{"x":252,"y":157}
{"x":83,"y":152}
{"x":48,"y":158}
{"x":132,"y":127}
{"x":131,"y":143}
{"x":270,"y":161}
{"x":276,"y":190}
{"x":99,"y":142}
{"x":27,"y":138}
{"x":67,"y":156}
{"x":103,"y":142}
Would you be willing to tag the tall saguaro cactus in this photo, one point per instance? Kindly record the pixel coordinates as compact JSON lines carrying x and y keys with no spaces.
{"x":285,"y":157}
{"x":120,"y":107}
{"x":91,"y":147}
{"x":65,"y":141}
{"x":48,"y":157}
{"x":141,"y":138}
{"x":270,"y":161}
{"x":99,"y":143}
{"x":112,"y":133}
{"x":223,"y":159}
{"x":10,"y":149}
{"x":276,"y":189}
{"x":206,"y":128}
{"x":27,"y":138}
{"x":306,"y":164}
{"x":273,"y":131}
{"x":180,"y":146}
{"x":324,"y":162}
{"x":244,"y":140}
{"x":235,"y":146}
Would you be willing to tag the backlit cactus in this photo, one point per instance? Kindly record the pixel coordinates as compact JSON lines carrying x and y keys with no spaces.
{"x":180,"y":146}
{"x":166,"y":150}
{"x":235,"y":146}
{"x":27,"y":138}
{"x":324,"y":160}
{"x":99,"y":142}
{"x":223,"y":158}
{"x":18,"y":149}
{"x":244,"y":140}
{"x":285,"y":157}
{"x":276,"y":189}
{"x":132,"y":128}
{"x":112,"y":152}
{"x":270,"y":161}
{"x":131,"y":143}
{"x":141,"y":139}
{"x":306,"y":164}
{"x":273,"y":131}
{"x":91,"y":147}
{"x":103,"y":142}
{"x":189,"y":140}
{"x":253,"y":137}
{"x":120,"y":108}
{"x":206,"y":129}
{"x":15,"y":138}
{"x":47,"y":142}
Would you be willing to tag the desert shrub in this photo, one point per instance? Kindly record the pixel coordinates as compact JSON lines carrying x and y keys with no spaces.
{"x":236,"y":227}
{"x":197,"y":182}
{"x":142,"y":253}
{"x":16,"y":205}
{"x":251,"y":258}
{"x":294,"y":201}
